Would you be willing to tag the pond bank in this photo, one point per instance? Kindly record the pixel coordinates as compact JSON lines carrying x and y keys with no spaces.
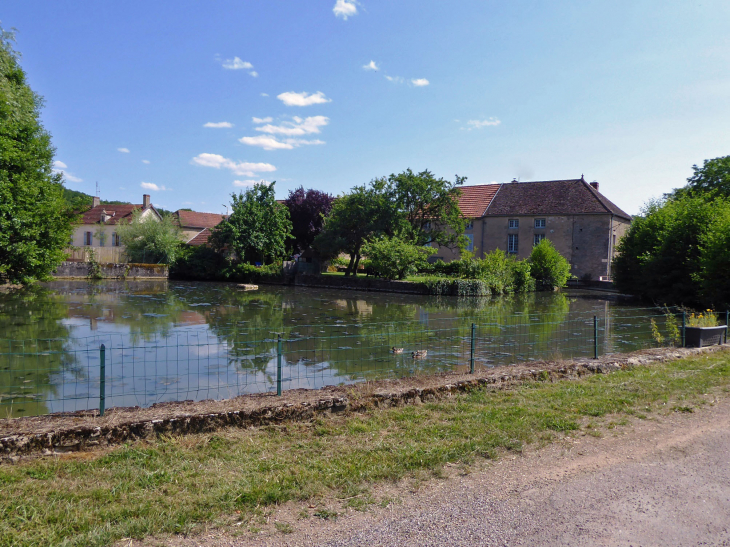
{"x":59,"y":433}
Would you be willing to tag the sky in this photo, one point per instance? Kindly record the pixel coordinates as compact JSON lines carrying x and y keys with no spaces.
{"x":190,"y":101}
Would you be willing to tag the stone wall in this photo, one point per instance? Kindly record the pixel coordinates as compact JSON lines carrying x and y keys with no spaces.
{"x":360,"y":284}
{"x":82,"y":270}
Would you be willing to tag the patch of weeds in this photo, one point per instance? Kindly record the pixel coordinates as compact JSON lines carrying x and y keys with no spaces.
{"x":615,"y":423}
{"x":284,"y":527}
{"x":595,"y":433}
{"x":387,"y":501}
{"x":303,"y":514}
{"x":254,"y":529}
{"x":561,"y":424}
{"x":326,"y":514}
{"x":687,"y":409}
{"x":360,"y":503}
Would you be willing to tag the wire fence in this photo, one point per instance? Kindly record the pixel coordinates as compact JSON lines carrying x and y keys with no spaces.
{"x":46,"y":376}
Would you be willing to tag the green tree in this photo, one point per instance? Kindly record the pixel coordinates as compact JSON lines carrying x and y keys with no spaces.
{"x":427,"y":208}
{"x":149,"y":240}
{"x":715,"y":260}
{"x":258,"y":228}
{"x":548,"y":267}
{"x":35,"y":227}
{"x":355,"y":217}
{"x":394,"y":258}
{"x":660,"y":256}
{"x":712,"y":179}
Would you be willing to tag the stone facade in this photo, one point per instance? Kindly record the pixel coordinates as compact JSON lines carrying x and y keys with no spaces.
{"x":582,"y":224}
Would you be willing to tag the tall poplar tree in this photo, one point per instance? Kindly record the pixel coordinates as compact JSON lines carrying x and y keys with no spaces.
{"x":34,"y":225}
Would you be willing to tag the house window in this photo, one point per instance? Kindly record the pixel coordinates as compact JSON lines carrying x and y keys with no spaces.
{"x":115,"y":239}
{"x":539,"y":238}
{"x":88,"y":238}
{"x":514,"y":223}
{"x":539,"y":223}
{"x":470,"y":225}
{"x":470,"y":242}
{"x":512,"y":244}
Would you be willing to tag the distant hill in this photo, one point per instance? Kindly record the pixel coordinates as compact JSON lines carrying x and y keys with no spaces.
{"x":79,"y":201}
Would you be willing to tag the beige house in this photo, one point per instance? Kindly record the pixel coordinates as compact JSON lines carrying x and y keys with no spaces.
{"x":582,"y":223}
{"x":196,"y":227}
{"x":98,"y":230}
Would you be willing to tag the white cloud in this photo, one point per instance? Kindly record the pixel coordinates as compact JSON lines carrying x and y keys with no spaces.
{"x":396,"y":79}
{"x":296,"y":128}
{"x":478,"y":124}
{"x":236,"y":64}
{"x":420,"y":82}
{"x":123,"y":150}
{"x":245,"y":169}
{"x":147,"y":162}
{"x":60,"y":167}
{"x":262,"y":120}
{"x":264,"y":94}
{"x":371,"y":66}
{"x":345,"y":8}
{"x":290,"y":98}
{"x":248,"y":183}
{"x":272,"y":143}
{"x":218,"y":125}
{"x":266,"y":142}
{"x":153,"y":186}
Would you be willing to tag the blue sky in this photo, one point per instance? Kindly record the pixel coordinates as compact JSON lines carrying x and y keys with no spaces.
{"x":629,"y":93}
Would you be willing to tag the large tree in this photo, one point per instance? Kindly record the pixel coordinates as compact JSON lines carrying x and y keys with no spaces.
{"x":149,"y":240}
{"x":427,"y":208}
{"x":712,"y":179}
{"x":257,"y":230}
{"x":307,"y":210}
{"x":34,"y":225}
{"x":363,"y":213}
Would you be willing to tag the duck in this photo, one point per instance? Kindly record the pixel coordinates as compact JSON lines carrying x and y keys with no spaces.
{"x":419,"y":353}
{"x":397,"y":350}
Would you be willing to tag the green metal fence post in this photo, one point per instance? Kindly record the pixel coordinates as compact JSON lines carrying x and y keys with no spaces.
{"x":595,"y":337}
{"x":102,"y":379}
{"x":471,"y":359}
{"x":684,"y":323}
{"x":278,"y":365}
{"x":727,"y":323}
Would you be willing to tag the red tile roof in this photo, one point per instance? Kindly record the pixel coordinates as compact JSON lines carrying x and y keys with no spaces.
{"x":553,"y":197}
{"x":201,"y":238}
{"x":474,"y":200}
{"x":116,"y":213}
{"x":193,"y":219}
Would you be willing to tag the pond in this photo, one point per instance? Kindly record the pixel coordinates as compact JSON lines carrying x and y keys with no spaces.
{"x":167,"y":340}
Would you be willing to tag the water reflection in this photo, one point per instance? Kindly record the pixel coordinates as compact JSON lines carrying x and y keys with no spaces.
{"x":176,"y":341}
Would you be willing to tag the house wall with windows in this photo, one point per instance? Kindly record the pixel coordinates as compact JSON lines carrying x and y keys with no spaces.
{"x":583,"y":225}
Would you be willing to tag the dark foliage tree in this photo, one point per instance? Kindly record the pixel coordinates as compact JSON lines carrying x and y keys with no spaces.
{"x":307,"y":210}
{"x":35,"y":226}
{"x":710,"y":180}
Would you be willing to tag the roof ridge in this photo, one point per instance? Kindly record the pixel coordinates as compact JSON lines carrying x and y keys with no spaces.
{"x":492,"y":200}
{"x":596,"y":195}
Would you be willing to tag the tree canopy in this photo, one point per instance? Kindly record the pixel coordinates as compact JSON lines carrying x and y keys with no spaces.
{"x":417,"y":208}
{"x":257,"y":230}
{"x":711,"y":180}
{"x":147,"y":240}
{"x":35,"y":226}
{"x":307,"y":210}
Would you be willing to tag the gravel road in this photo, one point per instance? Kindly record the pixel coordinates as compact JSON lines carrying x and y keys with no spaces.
{"x":662,"y":481}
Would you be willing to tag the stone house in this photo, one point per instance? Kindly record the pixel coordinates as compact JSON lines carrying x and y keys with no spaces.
{"x":98,"y":229}
{"x":196,"y":227}
{"x":582,"y":223}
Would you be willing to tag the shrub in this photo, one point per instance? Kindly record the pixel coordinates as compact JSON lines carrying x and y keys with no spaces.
{"x":199,"y":263}
{"x":394,"y":258}
{"x":548,"y":267}
{"x":147,"y":240}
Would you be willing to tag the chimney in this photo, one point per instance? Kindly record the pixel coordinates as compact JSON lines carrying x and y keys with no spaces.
{"x":145,"y":201}
{"x":95,"y":201}
{"x":595,"y":185}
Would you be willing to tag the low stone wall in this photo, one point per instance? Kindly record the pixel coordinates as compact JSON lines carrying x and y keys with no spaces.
{"x":83,"y":270}
{"x":85,"y":430}
{"x":360,"y":284}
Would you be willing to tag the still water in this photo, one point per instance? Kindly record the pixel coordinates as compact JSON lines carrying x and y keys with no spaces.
{"x":166,"y":340}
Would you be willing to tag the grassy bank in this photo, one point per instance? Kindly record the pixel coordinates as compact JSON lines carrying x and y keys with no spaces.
{"x":176,"y":484}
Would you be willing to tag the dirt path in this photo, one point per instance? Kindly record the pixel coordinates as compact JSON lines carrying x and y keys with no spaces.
{"x":660,"y":481}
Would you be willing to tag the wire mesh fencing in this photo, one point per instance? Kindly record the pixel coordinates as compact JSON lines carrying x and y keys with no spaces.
{"x":114,"y":370}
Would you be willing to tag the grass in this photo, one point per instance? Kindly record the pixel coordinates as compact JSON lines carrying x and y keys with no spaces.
{"x":178,"y":484}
